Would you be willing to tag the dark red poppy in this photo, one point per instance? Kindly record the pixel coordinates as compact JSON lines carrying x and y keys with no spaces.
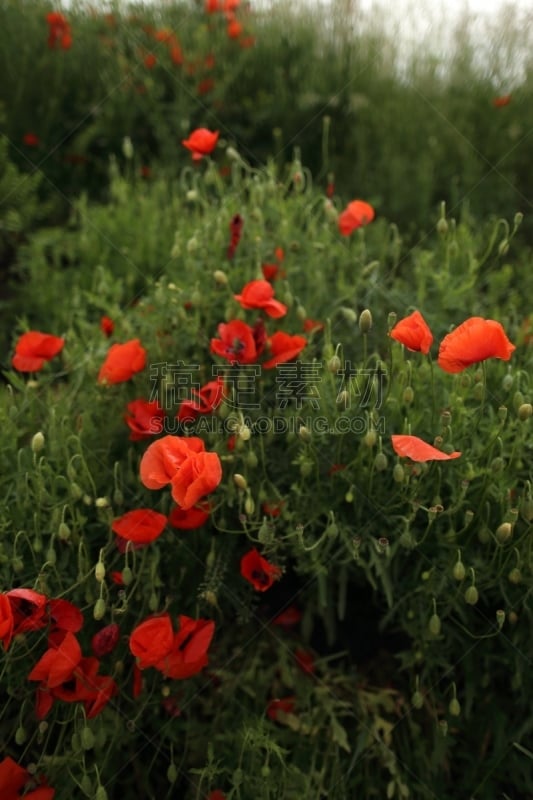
{"x":201,"y":142}
{"x":417,"y":450}
{"x":33,"y":349}
{"x":31,"y":140}
{"x":305,"y":660}
{"x":122,"y":362}
{"x":63,"y":616}
{"x":260,"y":295}
{"x":29,"y":610}
{"x":107,"y":326}
{"x":355,"y":215}
{"x":475,"y":340}
{"x":145,"y":418}
{"x":59,"y":33}
{"x":190,"y":519}
{"x":236,"y":342}
{"x":288,"y":618}
{"x":413,"y":332}
{"x":284,"y":347}
{"x":105,"y":640}
{"x":188,"y":654}
{"x":312,"y":326}
{"x":7,"y":621}
{"x":13,"y":780}
{"x":258,"y":571}
{"x":142,"y":525}
{"x":272,"y":509}
{"x":150,"y":60}
{"x":58,"y":663}
{"x":205,"y":401}
{"x":205,"y":86}
{"x":284,"y":705}
{"x":270,"y":271}
{"x":152,"y":640}
{"x":87,"y":687}
{"x":236,"y":226}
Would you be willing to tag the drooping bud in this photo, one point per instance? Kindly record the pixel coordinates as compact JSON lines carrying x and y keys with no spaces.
{"x":454,"y":707}
{"x":99,"y":609}
{"x":504,"y":532}
{"x":459,"y":570}
{"x":365,"y":321}
{"x":380,"y":462}
{"x":408,"y":395}
{"x":525,"y":411}
{"x":240,"y":481}
{"x":471,"y":595}
{"x":37,"y":442}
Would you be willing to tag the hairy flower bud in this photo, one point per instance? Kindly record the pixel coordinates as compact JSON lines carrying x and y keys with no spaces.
{"x":365,"y":321}
{"x":37,"y":442}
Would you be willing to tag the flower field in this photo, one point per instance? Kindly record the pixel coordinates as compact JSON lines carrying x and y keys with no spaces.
{"x":266,"y":457}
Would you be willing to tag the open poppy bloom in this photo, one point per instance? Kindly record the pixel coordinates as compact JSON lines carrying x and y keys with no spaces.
{"x":13,"y":779}
{"x":145,"y":419}
{"x":260,"y":294}
{"x":413,"y":332}
{"x":201,"y":142}
{"x":58,"y":31}
{"x":142,"y":525}
{"x":475,"y":340}
{"x":258,"y":571}
{"x":84,"y":685}
{"x":355,"y":215}
{"x":206,"y":401}
{"x":28,"y":608}
{"x":58,"y":663}
{"x":238,"y":342}
{"x":417,"y":450}
{"x":122,"y":362}
{"x":177,"y":655}
{"x":190,"y":519}
{"x":7,"y":621}
{"x":284,"y":347}
{"x":183,"y":463}
{"x":33,"y":349}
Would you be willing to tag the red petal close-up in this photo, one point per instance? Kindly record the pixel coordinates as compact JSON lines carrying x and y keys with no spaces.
{"x":164,"y":457}
{"x":145,"y":418}
{"x":475,"y":340}
{"x":191,"y":518}
{"x":414,"y":333}
{"x":417,"y":450}
{"x":152,"y":640}
{"x":140,"y":525}
{"x":199,"y":475}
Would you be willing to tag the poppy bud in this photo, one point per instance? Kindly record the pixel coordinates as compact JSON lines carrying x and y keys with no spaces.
{"x":192,"y":245}
{"x":507,"y":382}
{"x":240,"y":481}
{"x":500,"y":618}
{"x":334,"y":364}
{"x":515,"y":576}
{"x":252,"y":460}
{"x":20,"y":735}
{"x":349,"y":315}
{"x":37,"y":442}
{"x":127,"y":148}
{"x":380,"y":462}
{"x":127,"y":576}
{"x":408,"y":395}
{"x":343,"y":399}
{"x":518,"y":217}
{"x":525,"y":411}
{"x":370,"y":438}
{"x":101,"y":794}
{"x":503,"y":248}
{"x":471,"y":595}
{"x":63,"y":532}
{"x":87,"y":738}
{"x":502,"y":413}
{"x":526,"y":509}
{"x":172,"y":773}
{"x":497,"y":464}
{"x":398,"y":473}
{"x":434,"y":625}
{"x":518,"y":400}
{"x":349,"y":495}
{"x":306,"y":468}
{"x":304,"y":433}
{"x":51,"y":556}
{"x":365,"y":321}
{"x":249,"y":505}
{"x":442,"y":227}
{"x":99,"y":571}
{"x":469,"y":516}
{"x":417,"y":699}
{"x":391,"y":320}
{"x":232,"y":154}
{"x":454,"y":707}
{"x":504,"y":532}
{"x":221,"y":279}
{"x":99,"y":609}
{"x":459,"y":570}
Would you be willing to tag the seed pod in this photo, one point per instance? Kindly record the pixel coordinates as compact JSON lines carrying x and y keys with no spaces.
{"x":459,"y":570}
{"x":172,"y":773}
{"x":127,"y":576}
{"x":87,"y":738}
{"x":381,"y":462}
{"x":434,"y":625}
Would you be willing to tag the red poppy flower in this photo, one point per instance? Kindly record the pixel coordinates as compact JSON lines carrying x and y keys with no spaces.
{"x":31,"y":140}
{"x":236,"y":343}
{"x":29,"y":610}
{"x":107,"y":326}
{"x":205,"y":86}
{"x":212,"y":6}
{"x":152,"y":640}
{"x":305,"y":660}
{"x":258,"y":571}
{"x":13,"y":779}
{"x":122,"y":362}
{"x":58,"y":31}
{"x":142,"y":525}
{"x":475,"y":340}
{"x":201,"y":142}
{"x":216,"y":794}
{"x":272,"y":509}
{"x":63,"y":616}
{"x":7,"y":621}
{"x":87,"y":687}
{"x":356,"y":214}
{"x":500,"y":102}
{"x":413,"y":332}
{"x":288,"y":618}
{"x":417,"y":450}
{"x":284,"y":347}
{"x":188,"y":654}
{"x":33,"y":349}
{"x":207,"y":401}
{"x":150,"y":60}
{"x":145,"y":418}
{"x":190,"y":519}
{"x":260,"y":294}
{"x":58,"y":663}
{"x":176,"y":54}
{"x":285,"y":705}
{"x":234,"y":29}
{"x":312,"y":326}
{"x":270,"y":271}
{"x":105,"y":640}
{"x":182,"y":462}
